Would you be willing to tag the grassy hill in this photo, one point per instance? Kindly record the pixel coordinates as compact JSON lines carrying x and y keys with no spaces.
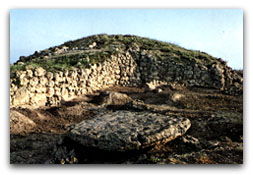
{"x":80,"y":53}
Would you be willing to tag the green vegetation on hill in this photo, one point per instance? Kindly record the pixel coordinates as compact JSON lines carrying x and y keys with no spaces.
{"x":79,"y":54}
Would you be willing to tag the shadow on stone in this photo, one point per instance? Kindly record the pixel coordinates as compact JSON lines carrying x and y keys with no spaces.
{"x":71,"y":149}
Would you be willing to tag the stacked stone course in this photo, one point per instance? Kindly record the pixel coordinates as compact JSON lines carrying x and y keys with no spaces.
{"x":131,"y":68}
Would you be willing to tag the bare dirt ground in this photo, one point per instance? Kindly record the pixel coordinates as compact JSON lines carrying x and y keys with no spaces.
{"x":215,"y":137}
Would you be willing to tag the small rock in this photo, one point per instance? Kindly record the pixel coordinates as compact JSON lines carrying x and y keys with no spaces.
{"x":39,"y":72}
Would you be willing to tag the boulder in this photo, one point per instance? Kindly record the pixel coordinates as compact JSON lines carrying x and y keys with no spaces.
{"x":39,"y":99}
{"x":24,"y":81}
{"x":39,"y":72}
{"x":176,"y":97}
{"x":50,"y":92}
{"x":57,"y":91}
{"x":20,"y":123}
{"x":64,"y":93}
{"x":43,"y":80}
{"x":116,"y":98}
{"x":66,"y":73}
{"x":21,"y":74}
{"x":124,"y":131}
{"x":29,"y":73}
{"x":73,"y":74}
{"x":34,"y":81}
{"x":112,"y":98}
{"x":83,"y":91}
{"x":50,"y":83}
{"x":50,"y":75}
{"x":56,"y":77}
{"x":40,"y":88}
{"x":21,"y":96}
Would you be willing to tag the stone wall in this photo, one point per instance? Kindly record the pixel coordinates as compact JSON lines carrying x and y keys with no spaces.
{"x":216,"y":75}
{"x":131,"y":68}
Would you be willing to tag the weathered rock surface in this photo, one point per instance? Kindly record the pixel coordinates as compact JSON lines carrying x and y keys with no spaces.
{"x":20,"y":123}
{"x":215,"y":135}
{"x":112,"y":98}
{"x":22,"y":96}
{"x":124,"y":130}
{"x":131,"y":67}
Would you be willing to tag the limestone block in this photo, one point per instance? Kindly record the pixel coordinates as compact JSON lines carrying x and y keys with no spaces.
{"x":57,"y":91}
{"x":56,"y":77}
{"x":39,"y":72}
{"x":93,"y":66}
{"x":71,"y":93}
{"x":70,"y":88}
{"x":50,"y":83}
{"x":50,"y":92}
{"x":39,"y":99}
{"x":87,"y":71}
{"x":50,"y":76}
{"x":31,"y":89}
{"x":66,"y":73}
{"x":21,"y":74}
{"x":73,"y":74}
{"x":77,"y":92}
{"x":24,"y":81}
{"x":43,"y":80}
{"x":21,"y":96}
{"x":99,"y":67}
{"x":56,"y":83}
{"x":218,"y":69}
{"x":117,"y":71}
{"x":12,"y":92}
{"x":83,"y":91}
{"x":63,"y":79}
{"x":60,"y":74}
{"x":81,"y":72}
{"x":74,"y":83}
{"x":29,"y":73}
{"x":117,"y":77}
{"x":68,"y":80}
{"x":11,"y":98}
{"x":40,"y":88}
{"x":64,"y":94}
{"x":82,"y":84}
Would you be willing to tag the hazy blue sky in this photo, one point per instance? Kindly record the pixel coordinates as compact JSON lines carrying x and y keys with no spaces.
{"x":217,"y":32}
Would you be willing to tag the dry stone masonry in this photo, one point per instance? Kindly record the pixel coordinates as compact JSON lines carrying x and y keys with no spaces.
{"x":134,"y":67}
{"x":38,"y":87}
{"x":124,"y":130}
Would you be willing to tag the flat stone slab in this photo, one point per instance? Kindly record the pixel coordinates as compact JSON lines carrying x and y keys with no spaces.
{"x":125,"y":130}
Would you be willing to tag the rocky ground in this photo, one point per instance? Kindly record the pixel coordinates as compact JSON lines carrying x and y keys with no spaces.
{"x":215,"y":136}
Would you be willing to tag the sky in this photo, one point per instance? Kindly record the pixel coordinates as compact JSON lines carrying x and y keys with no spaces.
{"x":218,"y":32}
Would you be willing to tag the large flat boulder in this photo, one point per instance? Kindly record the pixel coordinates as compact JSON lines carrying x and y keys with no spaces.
{"x":125,"y":131}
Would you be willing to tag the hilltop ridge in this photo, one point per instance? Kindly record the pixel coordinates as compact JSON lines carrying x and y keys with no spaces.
{"x":99,"y":47}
